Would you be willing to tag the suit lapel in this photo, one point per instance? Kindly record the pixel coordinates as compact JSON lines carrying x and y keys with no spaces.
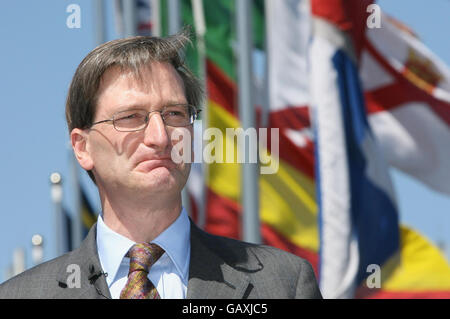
{"x":92,"y":282}
{"x":210,"y":276}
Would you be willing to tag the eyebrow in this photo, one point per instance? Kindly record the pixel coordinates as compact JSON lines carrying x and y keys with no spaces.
{"x":142,"y":107}
{"x":129,"y":107}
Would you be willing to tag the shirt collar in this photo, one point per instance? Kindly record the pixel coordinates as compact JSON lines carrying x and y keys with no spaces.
{"x":175,"y":240}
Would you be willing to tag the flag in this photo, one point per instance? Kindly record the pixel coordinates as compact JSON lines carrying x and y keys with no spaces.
{"x":288,"y":199}
{"x":345,"y":146}
{"x":358,"y":217}
{"x":68,"y":229}
{"x":407,"y":89}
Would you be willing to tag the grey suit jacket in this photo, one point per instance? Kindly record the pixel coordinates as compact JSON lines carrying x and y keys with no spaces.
{"x":219,"y":268}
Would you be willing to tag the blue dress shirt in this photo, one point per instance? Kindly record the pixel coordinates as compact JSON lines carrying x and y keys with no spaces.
{"x":169,"y":274}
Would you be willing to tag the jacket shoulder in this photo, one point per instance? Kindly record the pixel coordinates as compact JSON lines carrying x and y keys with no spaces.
{"x":37,"y":282}
{"x":234,"y":250}
{"x":280,"y":274}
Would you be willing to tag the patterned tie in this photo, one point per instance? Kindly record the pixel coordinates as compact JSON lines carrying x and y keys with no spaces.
{"x":142,"y":257}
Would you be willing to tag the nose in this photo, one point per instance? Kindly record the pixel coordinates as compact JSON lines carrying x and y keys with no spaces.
{"x":155,"y":134}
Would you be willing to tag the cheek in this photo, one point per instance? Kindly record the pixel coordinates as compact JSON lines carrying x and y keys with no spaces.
{"x":129,"y":144}
{"x":106,"y":149}
{"x":181,"y":139}
{"x":100,"y":154}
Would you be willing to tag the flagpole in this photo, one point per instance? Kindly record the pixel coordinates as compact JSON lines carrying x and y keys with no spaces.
{"x":37,"y":251}
{"x":250,"y":183}
{"x":118,"y":13}
{"x":174,"y":16}
{"x":266,"y":104}
{"x":100,"y":22}
{"x":200,"y":30}
{"x":59,"y":222}
{"x":19,"y":261}
{"x":174,"y":11}
{"x":156,"y":17}
{"x":129,"y":18}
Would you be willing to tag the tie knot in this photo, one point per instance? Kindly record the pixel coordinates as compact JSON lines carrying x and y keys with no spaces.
{"x":143,"y":256}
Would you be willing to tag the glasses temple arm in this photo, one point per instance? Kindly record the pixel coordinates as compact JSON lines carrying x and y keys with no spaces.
{"x":99,"y":122}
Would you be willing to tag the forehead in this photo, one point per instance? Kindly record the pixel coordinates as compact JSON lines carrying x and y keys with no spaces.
{"x":152,"y":85}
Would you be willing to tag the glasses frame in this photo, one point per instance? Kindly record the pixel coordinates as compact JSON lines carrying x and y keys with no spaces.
{"x":147,"y":117}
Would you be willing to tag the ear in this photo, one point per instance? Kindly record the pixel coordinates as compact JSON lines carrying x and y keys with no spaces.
{"x":79,"y":141}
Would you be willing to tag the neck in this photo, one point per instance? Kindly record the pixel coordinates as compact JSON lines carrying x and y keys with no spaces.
{"x":140,"y":220}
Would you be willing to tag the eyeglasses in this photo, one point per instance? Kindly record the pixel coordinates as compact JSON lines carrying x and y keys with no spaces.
{"x":137,"y":119}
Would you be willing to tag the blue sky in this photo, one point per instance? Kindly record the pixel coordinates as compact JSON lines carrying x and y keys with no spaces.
{"x":39,"y":55}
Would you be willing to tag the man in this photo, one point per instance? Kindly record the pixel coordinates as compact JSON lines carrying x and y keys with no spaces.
{"x":128,"y":100}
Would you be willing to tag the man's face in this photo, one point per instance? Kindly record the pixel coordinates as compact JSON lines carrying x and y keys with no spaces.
{"x":138,"y":163}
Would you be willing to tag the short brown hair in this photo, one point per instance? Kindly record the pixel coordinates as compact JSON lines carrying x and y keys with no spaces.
{"x":129,"y":54}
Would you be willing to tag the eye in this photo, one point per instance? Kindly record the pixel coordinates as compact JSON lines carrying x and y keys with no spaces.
{"x":175,"y":111}
{"x":129,"y":116}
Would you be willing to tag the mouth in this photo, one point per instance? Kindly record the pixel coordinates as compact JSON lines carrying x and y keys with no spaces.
{"x":149,"y":165}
